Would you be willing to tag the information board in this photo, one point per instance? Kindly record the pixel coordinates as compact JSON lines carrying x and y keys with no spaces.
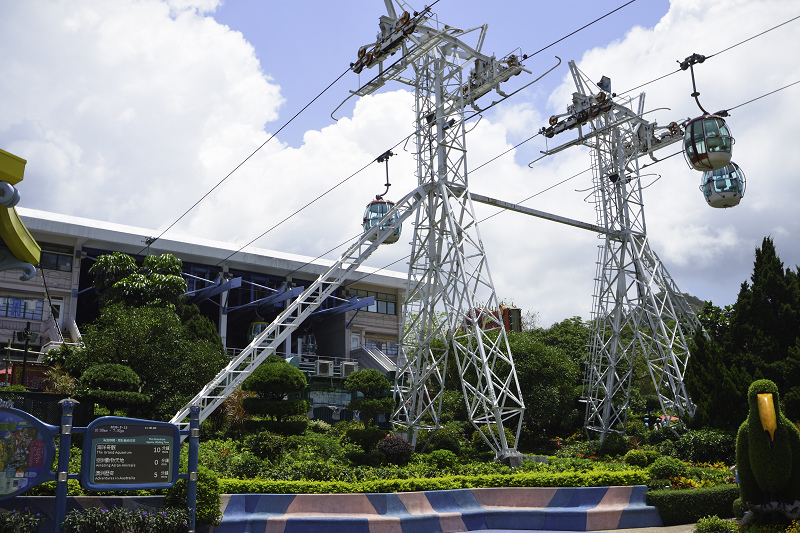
{"x":129,"y":454}
{"x":27,"y":450}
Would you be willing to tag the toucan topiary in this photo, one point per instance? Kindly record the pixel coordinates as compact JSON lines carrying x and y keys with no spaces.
{"x":767,"y":450}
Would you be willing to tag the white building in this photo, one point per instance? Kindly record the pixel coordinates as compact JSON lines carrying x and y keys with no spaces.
{"x":60,"y":299}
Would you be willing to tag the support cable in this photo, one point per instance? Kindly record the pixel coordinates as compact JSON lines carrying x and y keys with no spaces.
{"x":712,"y":55}
{"x":220,"y":182}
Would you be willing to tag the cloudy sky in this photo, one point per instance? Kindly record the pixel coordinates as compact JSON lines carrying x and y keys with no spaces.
{"x":130,"y":111}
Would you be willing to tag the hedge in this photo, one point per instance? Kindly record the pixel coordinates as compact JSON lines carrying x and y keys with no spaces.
{"x":687,"y":506}
{"x":524,"y":479}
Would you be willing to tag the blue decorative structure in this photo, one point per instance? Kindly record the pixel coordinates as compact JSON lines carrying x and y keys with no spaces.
{"x":516,"y":508}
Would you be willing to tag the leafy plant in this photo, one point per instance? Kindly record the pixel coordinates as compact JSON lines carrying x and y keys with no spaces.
{"x":668,"y":467}
{"x":120,"y":519}
{"x":20,"y":522}
{"x":208,"y":497}
{"x":714,"y":524}
{"x":396,"y":449}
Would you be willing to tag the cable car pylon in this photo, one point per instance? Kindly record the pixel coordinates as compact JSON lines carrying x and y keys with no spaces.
{"x":638,"y":311}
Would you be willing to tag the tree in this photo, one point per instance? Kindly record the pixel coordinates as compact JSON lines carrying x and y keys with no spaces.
{"x":152,"y":341}
{"x":157,"y":283}
{"x":549,"y":380}
{"x":112,"y":385}
{"x":373,"y":385}
{"x":756,"y":338}
{"x":272,"y":382}
{"x":146,"y":325}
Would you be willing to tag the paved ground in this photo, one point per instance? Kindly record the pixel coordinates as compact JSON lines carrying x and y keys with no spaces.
{"x":685,"y":528}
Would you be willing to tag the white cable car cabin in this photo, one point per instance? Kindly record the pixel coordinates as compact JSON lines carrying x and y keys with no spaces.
{"x":707,"y":143}
{"x":723,"y":187}
{"x":376,"y":210}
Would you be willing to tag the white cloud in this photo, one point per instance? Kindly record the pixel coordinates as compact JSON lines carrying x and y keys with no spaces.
{"x":131,"y":111}
{"x":113,"y":103}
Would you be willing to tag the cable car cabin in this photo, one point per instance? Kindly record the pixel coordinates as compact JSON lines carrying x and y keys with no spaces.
{"x":707,"y":143}
{"x":254,"y":329}
{"x":376,"y":210}
{"x":723,"y":187}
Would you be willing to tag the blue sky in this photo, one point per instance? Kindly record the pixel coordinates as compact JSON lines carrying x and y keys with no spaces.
{"x":305,"y":45}
{"x":130,"y":111}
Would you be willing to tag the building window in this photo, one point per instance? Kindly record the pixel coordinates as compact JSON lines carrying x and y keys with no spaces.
{"x":385,"y":304}
{"x":18,"y":307}
{"x":54,"y":257}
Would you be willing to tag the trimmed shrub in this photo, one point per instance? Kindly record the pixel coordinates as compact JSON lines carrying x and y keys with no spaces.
{"x":690,"y":505}
{"x":208,"y":497}
{"x":396,"y":449}
{"x":266,"y":445}
{"x":449,"y":437}
{"x":641,"y":457}
{"x":707,"y":446}
{"x":368,"y":438}
{"x":442,"y":460}
{"x":668,"y":467}
{"x":614,"y":445}
{"x":319,"y":426}
{"x":110,"y":377}
{"x":602,"y":478}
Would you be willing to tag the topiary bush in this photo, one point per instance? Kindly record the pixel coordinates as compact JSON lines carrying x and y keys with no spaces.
{"x":641,"y":457}
{"x":449,"y":437}
{"x":690,"y":505}
{"x":112,"y":385}
{"x":396,"y":449}
{"x":441,"y":460}
{"x":668,"y":467}
{"x":368,"y":438}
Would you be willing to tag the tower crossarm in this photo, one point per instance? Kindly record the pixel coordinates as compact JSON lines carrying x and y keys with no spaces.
{"x":266,"y":343}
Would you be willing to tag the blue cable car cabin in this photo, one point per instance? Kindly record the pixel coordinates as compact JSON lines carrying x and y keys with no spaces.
{"x":707,"y":143}
{"x":723,"y":187}
{"x":376,"y":210}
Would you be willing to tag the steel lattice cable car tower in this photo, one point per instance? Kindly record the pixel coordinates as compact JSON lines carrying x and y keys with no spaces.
{"x":450,"y":291}
{"x":638,"y":311}
{"x":450,"y":298}
{"x":450,"y":295}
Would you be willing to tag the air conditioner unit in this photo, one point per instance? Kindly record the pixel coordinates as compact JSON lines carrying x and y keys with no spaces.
{"x":324,"y":368}
{"x":348,"y":368}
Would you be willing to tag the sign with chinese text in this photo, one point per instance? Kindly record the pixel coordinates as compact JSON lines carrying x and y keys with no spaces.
{"x":129,"y":454}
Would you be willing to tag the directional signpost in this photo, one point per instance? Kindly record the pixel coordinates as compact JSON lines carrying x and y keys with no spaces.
{"x":118,"y":454}
{"x":130,"y":454}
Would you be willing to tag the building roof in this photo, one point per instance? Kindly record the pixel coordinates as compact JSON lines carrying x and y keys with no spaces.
{"x":131,"y":240}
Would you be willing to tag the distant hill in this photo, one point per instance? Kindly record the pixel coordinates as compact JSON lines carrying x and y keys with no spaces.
{"x":695,"y":303}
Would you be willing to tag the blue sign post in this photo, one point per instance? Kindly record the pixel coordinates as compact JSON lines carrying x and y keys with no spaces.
{"x":118,"y":454}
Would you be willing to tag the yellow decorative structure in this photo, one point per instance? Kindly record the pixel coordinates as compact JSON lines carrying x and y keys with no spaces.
{"x":13,"y":232}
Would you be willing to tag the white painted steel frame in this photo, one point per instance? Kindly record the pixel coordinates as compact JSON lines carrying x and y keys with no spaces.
{"x":638,"y":310}
{"x":450,"y":294}
{"x":266,"y":343}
